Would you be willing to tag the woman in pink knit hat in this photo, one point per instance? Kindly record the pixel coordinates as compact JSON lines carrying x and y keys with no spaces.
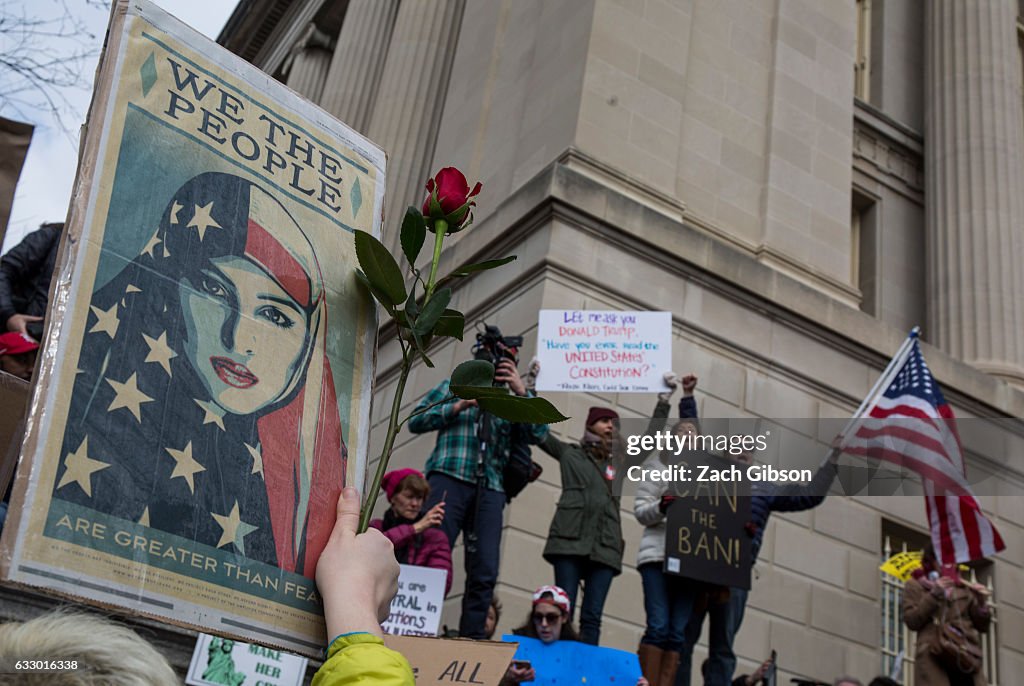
{"x":417,"y":539}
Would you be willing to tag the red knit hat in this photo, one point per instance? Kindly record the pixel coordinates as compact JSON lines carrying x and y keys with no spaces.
{"x":391,"y":480}
{"x":599,"y":413}
{"x":15,"y":343}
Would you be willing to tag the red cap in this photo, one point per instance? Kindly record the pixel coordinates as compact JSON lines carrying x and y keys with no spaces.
{"x":391,"y":480}
{"x":559,"y":598}
{"x":15,"y":343}
{"x":598,"y":413}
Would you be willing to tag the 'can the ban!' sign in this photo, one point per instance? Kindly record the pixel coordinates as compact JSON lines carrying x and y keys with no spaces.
{"x":705,"y":531}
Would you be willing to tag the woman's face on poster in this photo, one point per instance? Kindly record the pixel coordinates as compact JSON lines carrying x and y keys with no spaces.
{"x":246,"y":335}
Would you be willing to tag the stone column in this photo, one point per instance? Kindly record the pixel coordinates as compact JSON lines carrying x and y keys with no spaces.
{"x":974,"y":168}
{"x":407,"y":112}
{"x":358,"y":61}
{"x":310,"y":59}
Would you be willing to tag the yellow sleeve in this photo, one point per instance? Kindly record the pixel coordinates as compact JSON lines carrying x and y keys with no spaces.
{"x":357,"y":659}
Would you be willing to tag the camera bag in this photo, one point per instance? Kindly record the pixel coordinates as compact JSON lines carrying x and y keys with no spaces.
{"x":520,"y":469}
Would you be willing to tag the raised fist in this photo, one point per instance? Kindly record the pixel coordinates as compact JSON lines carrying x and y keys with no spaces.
{"x":689,"y":383}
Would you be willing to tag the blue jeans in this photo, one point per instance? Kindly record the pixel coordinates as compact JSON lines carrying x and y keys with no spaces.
{"x":482,"y":566}
{"x":570,"y":570}
{"x":668,"y":601}
{"x":725,"y":622}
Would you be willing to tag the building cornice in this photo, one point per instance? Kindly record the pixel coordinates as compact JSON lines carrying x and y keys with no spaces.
{"x":564,"y":193}
{"x":888,"y":152}
{"x":265,"y":31}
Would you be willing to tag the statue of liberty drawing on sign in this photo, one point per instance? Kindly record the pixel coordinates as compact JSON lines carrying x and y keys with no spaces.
{"x":220,"y":667}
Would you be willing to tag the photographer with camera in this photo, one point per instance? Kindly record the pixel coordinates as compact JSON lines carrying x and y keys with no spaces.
{"x":465,"y":470}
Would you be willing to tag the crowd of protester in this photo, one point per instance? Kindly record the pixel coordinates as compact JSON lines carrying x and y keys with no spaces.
{"x":461,"y":492}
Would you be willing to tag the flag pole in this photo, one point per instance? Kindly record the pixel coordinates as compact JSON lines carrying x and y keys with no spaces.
{"x":883,"y":382}
{"x":885,"y":379}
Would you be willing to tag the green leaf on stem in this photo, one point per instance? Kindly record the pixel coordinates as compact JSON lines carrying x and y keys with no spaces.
{"x":451,"y":323}
{"x":481,"y":266}
{"x":381,"y":297}
{"x":514,"y":408}
{"x":432,"y":311}
{"x":477,"y":373}
{"x":477,"y":392}
{"x":419,"y":343}
{"x":380,"y":269}
{"x":420,"y":347}
{"x":412,"y":308}
{"x":414,"y":233}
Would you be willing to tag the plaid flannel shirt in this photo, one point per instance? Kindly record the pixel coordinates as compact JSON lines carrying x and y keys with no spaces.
{"x":456,"y":450}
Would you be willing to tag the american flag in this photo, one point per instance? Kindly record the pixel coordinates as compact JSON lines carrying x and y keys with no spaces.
{"x":909,"y":423}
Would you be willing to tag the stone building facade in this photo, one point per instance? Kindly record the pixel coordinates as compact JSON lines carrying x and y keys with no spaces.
{"x":799,"y":183}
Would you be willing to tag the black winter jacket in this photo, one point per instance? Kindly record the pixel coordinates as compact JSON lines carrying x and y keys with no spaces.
{"x":25,"y":273}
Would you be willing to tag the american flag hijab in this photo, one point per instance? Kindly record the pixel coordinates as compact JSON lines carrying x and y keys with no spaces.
{"x":303,"y":452}
{"x":300,"y":437}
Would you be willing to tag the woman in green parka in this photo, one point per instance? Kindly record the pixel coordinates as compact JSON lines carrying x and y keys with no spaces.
{"x":585,"y":540}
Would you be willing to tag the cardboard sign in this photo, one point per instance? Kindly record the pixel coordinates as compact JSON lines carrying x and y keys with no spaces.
{"x":444,"y":661}
{"x":14,"y":393}
{"x":223,"y":662}
{"x":416,"y":608}
{"x":210,"y":393}
{"x":705,"y":535}
{"x":614,"y":352}
{"x":14,"y":140}
{"x":572,"y":662}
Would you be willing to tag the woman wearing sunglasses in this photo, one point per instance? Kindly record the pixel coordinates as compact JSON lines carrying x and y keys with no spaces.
{"x":548,"y":622}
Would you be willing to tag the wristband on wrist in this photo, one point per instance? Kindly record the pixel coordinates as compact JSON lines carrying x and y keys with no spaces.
{"x":350,"y":633}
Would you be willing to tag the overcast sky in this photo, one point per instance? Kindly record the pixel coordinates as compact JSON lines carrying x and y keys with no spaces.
{"x":49,"y":172}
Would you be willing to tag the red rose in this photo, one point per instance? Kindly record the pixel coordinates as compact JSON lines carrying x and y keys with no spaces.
{"x":449,"y":198}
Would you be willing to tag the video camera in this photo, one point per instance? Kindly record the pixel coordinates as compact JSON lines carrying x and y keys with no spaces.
{"x":492,"y":347}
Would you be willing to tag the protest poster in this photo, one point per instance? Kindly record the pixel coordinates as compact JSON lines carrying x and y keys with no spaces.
{"x":416,"y":608}
{"x":902,"y":565}
{"x":206,"y":378}
{"x":222,"y":662}
{"x":705,"y":534}
{"x":572,"y":662}
{"x":604,"y":352}
{"x":440,"y":661}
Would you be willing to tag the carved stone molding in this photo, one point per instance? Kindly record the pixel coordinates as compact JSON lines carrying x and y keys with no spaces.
{"x":888,"y":153}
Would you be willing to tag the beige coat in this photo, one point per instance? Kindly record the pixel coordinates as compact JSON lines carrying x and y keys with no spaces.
{"x":922,"y":608}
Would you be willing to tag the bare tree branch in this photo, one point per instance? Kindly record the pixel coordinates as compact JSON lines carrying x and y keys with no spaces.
{"x":42,"y":55}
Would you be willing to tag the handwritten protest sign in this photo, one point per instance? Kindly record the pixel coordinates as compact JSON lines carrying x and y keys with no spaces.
{"x":705,"y":535}
{"x":440,"y":661}
{"x":217,"y":661}
{"x":572,"y":662}
{"x":416,"y":608}
{"x":615,"y":352}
